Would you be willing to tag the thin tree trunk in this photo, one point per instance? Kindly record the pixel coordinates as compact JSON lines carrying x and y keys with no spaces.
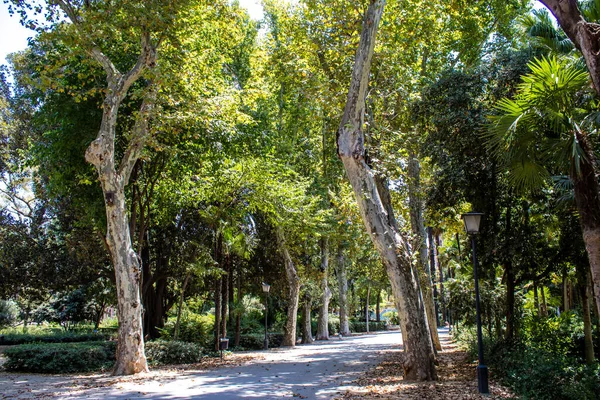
{"x":343,"y":289}
{"x":432,"y":269}
{"x":565,"y":290}
{"x":238,"y":315}
{"x":323,"y":320}
{"x":377,"y":310}
{"x":225,"y":294}
{"x":289,"y":335}
{"x":418,"y":356}
{"x":306,"y":321}
{"x":367,"y":308}
{"x":441,"y":275}
{"x":180,"y":306}
{"x":419,"y":245}
{"x":218,"y":297}
{"x":583,"y":280}
{"x":536,"y":301}
{"x":543,"y":304}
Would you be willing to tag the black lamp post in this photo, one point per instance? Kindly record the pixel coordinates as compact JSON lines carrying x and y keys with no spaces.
{"x":265,"y":288}
{"x":472,"y":221}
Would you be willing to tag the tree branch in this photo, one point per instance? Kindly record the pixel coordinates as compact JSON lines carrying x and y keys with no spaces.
{"x":139,"y":136}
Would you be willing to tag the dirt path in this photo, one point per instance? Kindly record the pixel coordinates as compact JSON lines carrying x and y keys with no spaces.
{"x":323,"y":370}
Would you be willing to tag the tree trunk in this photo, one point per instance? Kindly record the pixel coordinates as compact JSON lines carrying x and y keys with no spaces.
{"x":432,"y":269}
{"x":565,"y":290}
{"x":419,"y":357}
{"x":583,"y":34}
{"x":225,"y":294}
{"x":536,"y":301}
{"x":377,"y":310}
{"x":367,"y":308}
{"x":441,"y":275}
{"x":180,"y":306}
{"x":238,"y":314}
{"x":289,"y":334}
{"x":415,"y":203}
{"x":587,"y":198}
{"x":343,"y":289}
{"x":510,"y":301}
{"x":323,"y":320}
{"x":306,"y":321}
{"x":583,"y":278}
{"x":543,"y":304}
{"x":218,"y":297}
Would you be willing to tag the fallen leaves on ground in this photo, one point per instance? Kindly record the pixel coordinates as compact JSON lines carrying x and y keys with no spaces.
{"x":456,"y":380}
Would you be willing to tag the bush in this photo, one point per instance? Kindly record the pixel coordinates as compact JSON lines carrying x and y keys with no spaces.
{"x":61,"y":357}
{"x":10,"y":339}
{"x":546,"y":362}
{"x":193,"y":328}
{"x":9,"y":312}
{"x":256,"y":341}
{"x":361,"y":326}
{"x":163,"y":352}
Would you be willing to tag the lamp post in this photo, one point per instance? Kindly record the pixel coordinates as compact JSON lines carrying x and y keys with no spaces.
{"x":472,"y":221}
{"x":265,"y":288}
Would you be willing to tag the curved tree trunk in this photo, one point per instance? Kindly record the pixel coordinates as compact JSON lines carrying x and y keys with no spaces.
{"x":419,"y":245}
{"x":289,"y":334}
{"x":418,"y":350}
{"x":582,"y":277}
{"x":343,"y":289}
{"x":323,"y":320}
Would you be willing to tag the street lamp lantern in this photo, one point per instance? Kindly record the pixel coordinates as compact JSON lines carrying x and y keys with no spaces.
{"x":472,"y":221}
{"x":266,"y":287}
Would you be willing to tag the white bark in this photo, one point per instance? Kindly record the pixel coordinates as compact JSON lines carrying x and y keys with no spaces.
{"x":289,"y":336}
{"x":418,"y":355}
{"x":323,"y":320}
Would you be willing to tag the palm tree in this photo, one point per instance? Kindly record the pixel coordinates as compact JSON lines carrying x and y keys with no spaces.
{"x":545,"y":131}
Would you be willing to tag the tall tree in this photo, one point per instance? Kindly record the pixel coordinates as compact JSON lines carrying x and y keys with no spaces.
{"x":376,"y":210}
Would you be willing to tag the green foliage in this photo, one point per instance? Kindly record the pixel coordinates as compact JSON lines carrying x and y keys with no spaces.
{"x":546,"y":364}
{"x":361,"y":326}
{"x":194,"y":328}
{"x":162,"y":352}
{"x":14,"y":338}
{"x":9,"y":313}
{"x":60,"y":357}
{"x":392,"y":317}
{"x":256,"y":341}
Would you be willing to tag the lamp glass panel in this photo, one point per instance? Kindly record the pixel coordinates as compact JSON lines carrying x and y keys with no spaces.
{"x":266,"y":287}
{"x":472,"y":222}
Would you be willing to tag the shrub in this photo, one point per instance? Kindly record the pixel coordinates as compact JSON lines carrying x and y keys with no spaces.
{"x":61,"y":357}
{"x":163,"y":352}
{"x":9,"y":339}
{"x":193,"y":328}
{"x":9,"y":312}
{"x":256,"y":341}
{"x":361,"y":326}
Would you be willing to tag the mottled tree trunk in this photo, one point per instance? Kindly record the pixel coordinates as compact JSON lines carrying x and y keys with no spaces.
{"x":218,"y":297}
{"x":343,"y":289}
{"x":289,"y":334}
{"x":377,"y":310}
{"x":306,"y":323}
{"x":441,"y":276}
{"x":238,"y":314}
{"x":367,"y":308}
{"x":418,"y":354}
{"x":419,"y":245}
{"x":323,"y":320}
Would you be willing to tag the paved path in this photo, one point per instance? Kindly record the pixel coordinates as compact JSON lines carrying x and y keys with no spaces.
{"x":318,"y":371}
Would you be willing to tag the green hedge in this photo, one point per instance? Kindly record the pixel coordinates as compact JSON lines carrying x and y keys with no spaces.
{"x":62,"y":337}
{"x":60,"y":357}
{"x":360,"y":326}
{"x":163,"y":352}
{"x":256,"y":341}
